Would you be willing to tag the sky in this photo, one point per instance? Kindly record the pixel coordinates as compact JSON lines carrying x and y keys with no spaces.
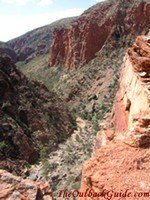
{"x":20,"y":16}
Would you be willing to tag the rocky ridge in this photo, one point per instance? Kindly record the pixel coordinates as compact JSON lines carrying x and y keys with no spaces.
{"x":36,"y":42}
{"x":133,"y":104}
{"x":121,"y":162}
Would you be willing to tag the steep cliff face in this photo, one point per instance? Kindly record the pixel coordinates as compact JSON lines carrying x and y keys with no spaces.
{"x":122,"y":162}
{"x":131,"y":110}
{"x":31,"y":117}
{"x":96,"y":27}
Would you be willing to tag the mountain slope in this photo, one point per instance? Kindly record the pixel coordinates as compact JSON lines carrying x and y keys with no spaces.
{"x":6,"y":50}
{"x":31,"y":117}
{"x":36,"y":42}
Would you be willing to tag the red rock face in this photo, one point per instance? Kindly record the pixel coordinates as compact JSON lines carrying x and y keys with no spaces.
{"x":122,"y":159}
{"x":121,"y":123}
{"x":131,"y":109}
{"x":79,"y":44}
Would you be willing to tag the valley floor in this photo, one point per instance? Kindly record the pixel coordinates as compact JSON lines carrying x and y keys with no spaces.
{"x":63,"y":167}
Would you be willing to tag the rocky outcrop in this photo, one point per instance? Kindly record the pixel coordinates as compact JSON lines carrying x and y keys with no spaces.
{"x":121,"y":163}
{"x":31,"y":117}
{"x":16,"y":188}
{"x":97,"y":27}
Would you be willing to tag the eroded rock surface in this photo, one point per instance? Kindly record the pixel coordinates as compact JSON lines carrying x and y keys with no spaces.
{"x":121,"y":162}
{"x":17,"y":188}
{"x":132,"y":107}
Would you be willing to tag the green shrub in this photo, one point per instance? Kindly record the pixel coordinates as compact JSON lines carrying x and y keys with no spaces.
{"x":44,"y":153}
{"x":2,"y":145}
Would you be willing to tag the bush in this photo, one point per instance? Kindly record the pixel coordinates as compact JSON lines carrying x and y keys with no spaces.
{"x":44,"y":153}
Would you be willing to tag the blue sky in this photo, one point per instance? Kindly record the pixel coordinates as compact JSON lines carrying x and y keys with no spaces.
{"x":20,"y":16}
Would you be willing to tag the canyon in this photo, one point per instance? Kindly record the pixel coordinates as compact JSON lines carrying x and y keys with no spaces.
{"x":28,"y":116}
{"x":77,"y":90}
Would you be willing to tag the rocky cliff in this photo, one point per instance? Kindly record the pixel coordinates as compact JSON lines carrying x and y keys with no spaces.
{"x":121,"y":163}
{"x":133,"y":98}
{"x":105,"y":23}
{"x":31,"y":117}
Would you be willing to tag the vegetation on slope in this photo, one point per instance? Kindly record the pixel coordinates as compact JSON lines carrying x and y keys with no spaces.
{"x":31,"y":117}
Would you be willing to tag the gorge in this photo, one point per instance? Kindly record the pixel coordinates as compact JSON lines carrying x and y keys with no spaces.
{"x":75,"y":106}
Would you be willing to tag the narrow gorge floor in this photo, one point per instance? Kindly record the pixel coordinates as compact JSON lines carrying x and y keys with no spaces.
{"x":63,"y":167}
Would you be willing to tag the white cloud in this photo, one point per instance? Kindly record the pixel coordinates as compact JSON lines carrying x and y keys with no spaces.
{"x":15,"y":25}
{"x":45,"y":2}
{"x":17,"y":2}
{"x":24,"y":2}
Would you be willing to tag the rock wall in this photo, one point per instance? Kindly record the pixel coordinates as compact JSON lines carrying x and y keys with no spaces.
{"x":101,"y":24}
{"x":121,"y":163}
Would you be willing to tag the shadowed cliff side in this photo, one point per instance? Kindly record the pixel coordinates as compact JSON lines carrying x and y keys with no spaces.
{"x":6,"y":50}
{"x":31,"y":117}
